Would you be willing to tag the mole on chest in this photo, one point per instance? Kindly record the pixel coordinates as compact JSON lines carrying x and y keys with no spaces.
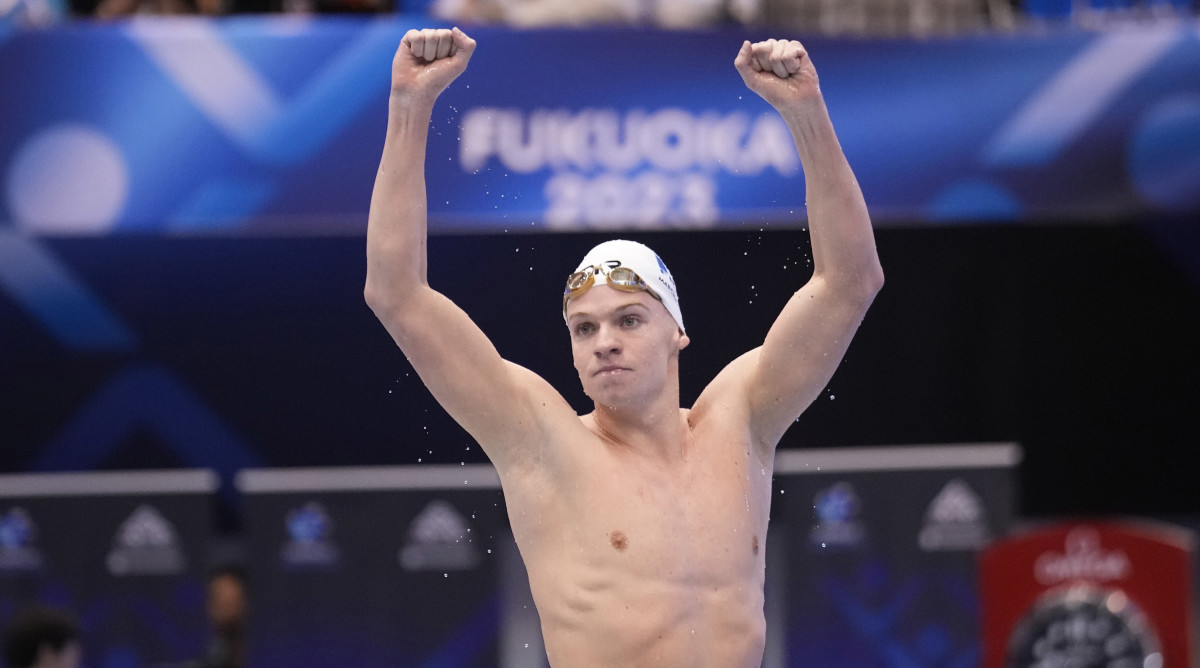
{"x":618,"y":540}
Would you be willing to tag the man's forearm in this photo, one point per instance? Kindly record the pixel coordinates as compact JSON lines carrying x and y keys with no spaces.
{"x":839,"y":225}
{"x":396,"y":227}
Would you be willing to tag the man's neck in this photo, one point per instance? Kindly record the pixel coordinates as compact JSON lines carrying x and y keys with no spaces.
{"x":659,"y":430}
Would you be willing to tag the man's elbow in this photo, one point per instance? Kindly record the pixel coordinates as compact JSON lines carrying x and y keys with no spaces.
{"x":872,"y":280}
{"x":374,"y":295}
{"x":859,"y":284}
{"x":371,"y":296}
{"x":398,"y":307}
{"x":384,"y":301}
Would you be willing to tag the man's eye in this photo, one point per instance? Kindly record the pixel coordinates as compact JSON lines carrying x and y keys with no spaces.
{"x":584,"y":328}
{"x":629,"y":320}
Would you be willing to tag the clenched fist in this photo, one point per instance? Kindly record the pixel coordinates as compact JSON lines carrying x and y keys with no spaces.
{"x":428,"y":60}
{"x":780,"y":71}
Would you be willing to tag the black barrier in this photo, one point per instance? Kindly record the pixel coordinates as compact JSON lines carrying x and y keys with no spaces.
{"x":384,"y":566}
{"x":124,"y":552}
{"x":872,"y":555}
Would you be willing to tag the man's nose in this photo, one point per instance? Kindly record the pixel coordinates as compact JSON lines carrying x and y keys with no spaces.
{"x":607,"y":342}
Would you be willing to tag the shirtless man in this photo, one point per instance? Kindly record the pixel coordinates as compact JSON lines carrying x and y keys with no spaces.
{"x":642,"y":524}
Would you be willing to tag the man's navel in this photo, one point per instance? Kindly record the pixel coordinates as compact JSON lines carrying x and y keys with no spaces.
{"x":754,"y":544}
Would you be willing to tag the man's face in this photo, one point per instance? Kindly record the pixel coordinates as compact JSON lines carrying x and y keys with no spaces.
{"x":625,"y":345}
{"x":68,"y":657}
{"x":226,"y":602}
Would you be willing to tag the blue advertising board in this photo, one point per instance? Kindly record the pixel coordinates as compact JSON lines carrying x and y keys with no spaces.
{"x":383,"y":566}
{"x":274,"y":125}
{"x":880,"y":548}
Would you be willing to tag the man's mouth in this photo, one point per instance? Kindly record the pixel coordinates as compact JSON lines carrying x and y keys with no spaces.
{"x":609,"y":370}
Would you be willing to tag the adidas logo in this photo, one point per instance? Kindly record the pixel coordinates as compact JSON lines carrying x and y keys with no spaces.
{"x":955,"y":503}
{"x":146,"y":528}
{"x":438,"y":523}
{"x":439,"y":539}
{"x":954,"y":520}
{"x":146,"y":544}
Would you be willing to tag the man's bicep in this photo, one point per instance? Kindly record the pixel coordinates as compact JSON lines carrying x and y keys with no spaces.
{"x":491,"y":398}
{"x":800,"y":354}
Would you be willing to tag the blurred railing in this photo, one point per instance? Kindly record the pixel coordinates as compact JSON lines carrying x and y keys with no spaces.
{"x":866,"y":18}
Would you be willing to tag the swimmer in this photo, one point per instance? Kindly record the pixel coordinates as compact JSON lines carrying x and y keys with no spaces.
{"x":642,"y":524}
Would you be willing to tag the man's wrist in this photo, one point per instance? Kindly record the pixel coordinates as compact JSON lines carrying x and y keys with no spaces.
{"x":804,"y":112}
{"x":411,"y":104}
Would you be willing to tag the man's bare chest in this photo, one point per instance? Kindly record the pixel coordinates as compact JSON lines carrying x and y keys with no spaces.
{"x":700,"y":518}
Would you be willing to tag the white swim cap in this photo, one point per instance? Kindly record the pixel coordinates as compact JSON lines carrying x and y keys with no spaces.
{"x":644,"y":262}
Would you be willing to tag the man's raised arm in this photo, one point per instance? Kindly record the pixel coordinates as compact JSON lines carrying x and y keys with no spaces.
{"x":486,"y":395}
{"x":811,"y":334}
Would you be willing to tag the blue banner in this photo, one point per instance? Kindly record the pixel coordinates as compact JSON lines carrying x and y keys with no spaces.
{"x":274,"y":125}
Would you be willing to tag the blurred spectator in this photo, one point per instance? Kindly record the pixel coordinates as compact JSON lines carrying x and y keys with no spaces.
{"x":107,"y":9}
{"x":30,"y":13}
{"x":888,"y":17}
{"x":674,"y":14}
{"x":335,"y":6}
{"x":111,"y":9}
{"x":40,"y":637}
{"x":228,"y":602}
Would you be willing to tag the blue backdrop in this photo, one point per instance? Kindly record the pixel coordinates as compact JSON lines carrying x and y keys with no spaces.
{"x":274,"y":125}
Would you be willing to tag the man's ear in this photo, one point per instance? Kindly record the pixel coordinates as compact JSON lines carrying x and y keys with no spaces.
{"x":683,"y":341}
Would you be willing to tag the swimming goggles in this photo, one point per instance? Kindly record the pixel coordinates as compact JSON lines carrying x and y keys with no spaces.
{"x":620,"y":278}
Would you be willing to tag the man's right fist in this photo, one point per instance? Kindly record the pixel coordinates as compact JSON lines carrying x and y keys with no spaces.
{"x":428,"y":60}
